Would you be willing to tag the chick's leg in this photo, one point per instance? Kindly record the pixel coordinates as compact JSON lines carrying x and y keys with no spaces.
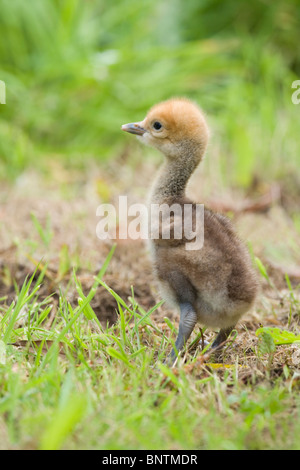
{"x":188,"y":320}
{"x":185,"y":296}
{"x":222,"y":336}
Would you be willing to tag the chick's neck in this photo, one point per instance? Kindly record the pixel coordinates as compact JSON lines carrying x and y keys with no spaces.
{"x":174,"y":175}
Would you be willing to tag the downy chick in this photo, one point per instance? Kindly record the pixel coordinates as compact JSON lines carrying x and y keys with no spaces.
{"x":216,"y":284}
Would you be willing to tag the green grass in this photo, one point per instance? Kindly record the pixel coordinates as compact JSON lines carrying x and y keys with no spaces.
{"x":74,"y":384}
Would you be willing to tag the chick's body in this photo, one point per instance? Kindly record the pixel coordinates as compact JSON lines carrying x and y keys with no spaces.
{"x":222,"y":281}
{"x":216,"y":284}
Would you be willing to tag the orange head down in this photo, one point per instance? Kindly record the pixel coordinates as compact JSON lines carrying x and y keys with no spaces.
{"x":174,"y":127}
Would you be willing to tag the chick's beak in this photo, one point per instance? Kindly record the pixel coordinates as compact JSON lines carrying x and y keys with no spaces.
{"x":134,"y":128}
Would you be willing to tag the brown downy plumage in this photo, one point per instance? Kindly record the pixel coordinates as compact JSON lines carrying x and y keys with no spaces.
{"x":216,"y":284}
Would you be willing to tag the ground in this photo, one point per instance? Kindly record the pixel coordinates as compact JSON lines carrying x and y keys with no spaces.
{"x":50,"y":219}
{"x":64,"y":203}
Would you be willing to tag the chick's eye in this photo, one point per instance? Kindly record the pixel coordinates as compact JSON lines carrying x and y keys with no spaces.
{"x":157,"y":125}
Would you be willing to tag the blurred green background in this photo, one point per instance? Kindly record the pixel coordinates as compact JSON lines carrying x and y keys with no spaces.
{"x":75,"y":70}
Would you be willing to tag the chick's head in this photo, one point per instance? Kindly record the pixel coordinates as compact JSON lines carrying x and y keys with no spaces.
{"x":174,"y":127}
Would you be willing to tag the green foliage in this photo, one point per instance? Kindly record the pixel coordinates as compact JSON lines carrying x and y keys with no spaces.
{"x":75,"y":71}
{"x":277,"y":336}
{"x":70,"y":411}
{"x":275,"y":22}
{"x":46,"y":233}
{"x":266,"y":343}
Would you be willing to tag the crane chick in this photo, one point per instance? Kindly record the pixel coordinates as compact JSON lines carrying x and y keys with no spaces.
{"x":216,"y":284}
